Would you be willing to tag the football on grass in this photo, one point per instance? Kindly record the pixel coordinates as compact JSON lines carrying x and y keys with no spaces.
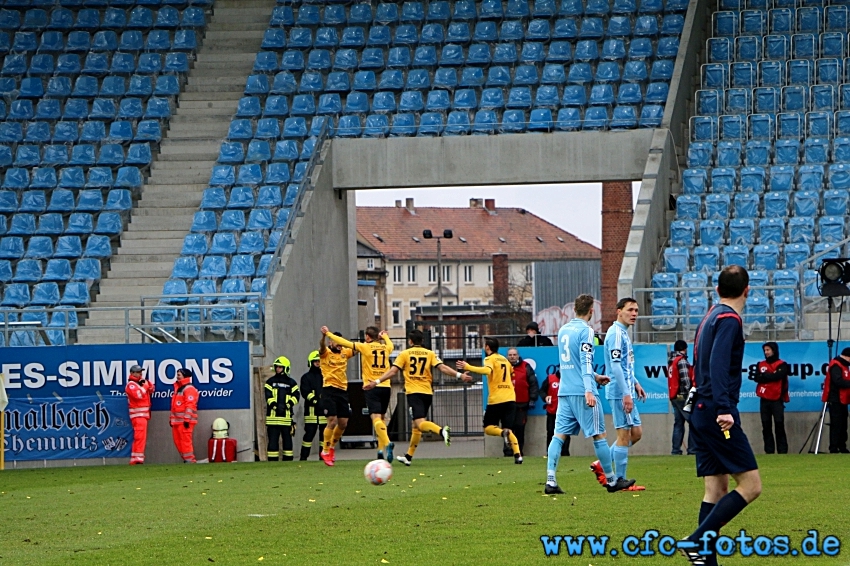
{"x":378,"y":472}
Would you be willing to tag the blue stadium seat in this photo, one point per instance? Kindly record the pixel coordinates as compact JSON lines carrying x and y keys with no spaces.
{"x":706,"y":258}
{"x":835,"y":202}
{"x":664,"y":281}
{"x":831,"y":229}
{"x":766,"y":256}
{"x":801,"y":230}
{"x":676,"y":259}
{"x":664,"y":312}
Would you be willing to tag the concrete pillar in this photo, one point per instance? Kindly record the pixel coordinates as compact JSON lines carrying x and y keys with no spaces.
{"x":616,"y":222}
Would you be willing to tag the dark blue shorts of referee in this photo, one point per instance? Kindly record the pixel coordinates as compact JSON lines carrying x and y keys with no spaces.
{"x":715,"y":454}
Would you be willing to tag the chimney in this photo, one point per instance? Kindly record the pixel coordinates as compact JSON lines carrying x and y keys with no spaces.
{"x":500,"y":279}
{"x":476,"y":203}
{"x":408,"y":204}
{"x":398,"y":204}
{"x":490,"y":205}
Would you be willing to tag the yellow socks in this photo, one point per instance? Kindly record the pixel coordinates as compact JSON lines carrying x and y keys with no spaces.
{"x":415,"y":437}
{"x":381,"y":433}
{"x":428,"y":426}
{"x":338,"y":432}
{"x":496,"y":431}
{"x":327,"y":443}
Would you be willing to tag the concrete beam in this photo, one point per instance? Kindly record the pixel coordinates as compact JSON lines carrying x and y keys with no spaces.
{"x":576,"y":157}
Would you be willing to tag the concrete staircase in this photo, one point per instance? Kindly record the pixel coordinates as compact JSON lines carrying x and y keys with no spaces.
{"x":172,"y":194}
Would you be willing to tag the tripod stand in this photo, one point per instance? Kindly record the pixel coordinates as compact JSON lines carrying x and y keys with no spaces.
{"x":830,"y":344}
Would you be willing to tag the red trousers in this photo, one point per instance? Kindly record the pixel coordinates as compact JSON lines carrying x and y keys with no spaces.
{"x":140,"y":438}
{"x":183,"y":441}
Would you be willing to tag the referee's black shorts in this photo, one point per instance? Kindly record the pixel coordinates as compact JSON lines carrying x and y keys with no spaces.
{"x":503,"y":413}
{"x":335,"y":403}
{"x":716,"y":454}
{"x":419,"y":404}
{"x":378,"y":400}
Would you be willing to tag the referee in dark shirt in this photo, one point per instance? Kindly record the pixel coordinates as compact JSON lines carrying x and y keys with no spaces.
{"x":721,"y":447}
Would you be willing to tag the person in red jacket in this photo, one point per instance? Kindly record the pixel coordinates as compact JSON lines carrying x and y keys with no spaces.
{"x":184,"y":415}
{"x":138,"y":392}
{"x":680,"y":379}
{"x":772,"y":390}
{"x":551,"y":403}
{"x":836,"y":392}
{"x":527,"y":390}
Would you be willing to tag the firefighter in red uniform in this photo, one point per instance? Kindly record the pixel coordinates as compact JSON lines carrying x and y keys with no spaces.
{"x":527,"y":389}
{"x":551,"y":403}
{"x":139,"y":392}
{"x":184,"y":415}
{"x":772,"y":390}
{"x":836,"y":392}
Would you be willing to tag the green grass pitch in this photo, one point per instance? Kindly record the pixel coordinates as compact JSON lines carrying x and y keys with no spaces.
{"x":455,"y":511}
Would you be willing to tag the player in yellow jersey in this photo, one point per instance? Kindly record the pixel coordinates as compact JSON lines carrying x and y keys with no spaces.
{"x":374,"y":361}
{"x":416,"y":364}
{"x":501,"y":399}
{"x":333,"y":360}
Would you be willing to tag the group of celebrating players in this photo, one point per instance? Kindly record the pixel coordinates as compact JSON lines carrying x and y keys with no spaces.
{"x":721,"y":447}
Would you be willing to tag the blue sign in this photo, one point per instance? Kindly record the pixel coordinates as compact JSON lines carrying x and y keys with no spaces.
{"x":53,"y":428}
{"x":222,"y":371}
{"x":808,"y":361}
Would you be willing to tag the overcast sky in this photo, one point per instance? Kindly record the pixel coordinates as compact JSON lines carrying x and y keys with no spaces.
{"x":575,"y":208}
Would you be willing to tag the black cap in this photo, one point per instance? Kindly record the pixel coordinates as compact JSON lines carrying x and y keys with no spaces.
{"x":136,"y":368}
{"x":846,"y":352}
{"x":186,"y":372}
{"x":680,"y":346}
{"x":532,"y":326}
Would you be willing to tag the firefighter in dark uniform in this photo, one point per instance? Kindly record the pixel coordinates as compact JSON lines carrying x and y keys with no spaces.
{"x":281,"y":397}
{"x":311,"y":388}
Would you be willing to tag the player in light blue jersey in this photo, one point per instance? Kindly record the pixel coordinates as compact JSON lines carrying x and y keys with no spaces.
{"x":579,"y":407}
{"x":621,"y":392}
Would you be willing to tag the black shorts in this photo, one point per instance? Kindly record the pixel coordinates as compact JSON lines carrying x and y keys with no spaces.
{"x":503,"y":413}
{"x":419,"y":404}
{"x":377,"y":400}
{"x":335,"y":403}
{"x":716,"y":454}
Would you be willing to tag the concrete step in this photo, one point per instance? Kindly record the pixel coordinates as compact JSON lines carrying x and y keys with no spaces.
{"x":235,"y":58}
{"x":243,"y":35}
{"x":152,"y":258}
{"x":164,"y":222}
{"x":179,"y":129}
{"x":219,"y":26}
{"x":208,"y":104}
{"x":213,"y":88}
{"x":169,"y":202}
{"x":155,"y":188}
{"x":154,"y":236}
{"x":233,"y":95}
{"x":195,"y":163}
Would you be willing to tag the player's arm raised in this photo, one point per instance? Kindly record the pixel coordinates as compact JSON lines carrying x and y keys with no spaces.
{"x":323,"y":346}
{"x":339,"y":340}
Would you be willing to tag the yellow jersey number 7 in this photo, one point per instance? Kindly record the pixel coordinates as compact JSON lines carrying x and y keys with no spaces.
{"x":418,"y":365}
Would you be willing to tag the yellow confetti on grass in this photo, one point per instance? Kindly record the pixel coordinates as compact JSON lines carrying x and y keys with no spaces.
{"x":219,"y":481}
{"x":445,"y":498}
{"x":384,"y":561}
{"x":208,"y":538}
{"x":260,"y":559}
{"x":311,"y":500}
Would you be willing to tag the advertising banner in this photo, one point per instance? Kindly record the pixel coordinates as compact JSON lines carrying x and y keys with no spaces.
{"x":222,"y":371}
{"x":807,"y":361}
{"x":57,"y":428}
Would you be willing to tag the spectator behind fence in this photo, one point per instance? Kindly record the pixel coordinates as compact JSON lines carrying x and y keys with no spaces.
{"x":533,"y":337}
{"x":679,"y":382}
{"x":527,"y":391}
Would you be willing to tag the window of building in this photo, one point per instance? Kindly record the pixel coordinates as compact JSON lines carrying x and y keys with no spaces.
{"x":529,"y":272}
{"x":397,"y":274}
{"x":413,"y":306}
{"x":370,"y":263}
{"x":468,"y":273}
{"x":489,"y":274}
{"x":411,"y":274}
{"x":447,"y":274}
{"x":432,"y":274}
{"x":396,"y":313}
{"x":472,"y":302}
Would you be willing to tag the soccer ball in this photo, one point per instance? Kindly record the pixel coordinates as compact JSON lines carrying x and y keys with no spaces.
{"x":378,"y":472}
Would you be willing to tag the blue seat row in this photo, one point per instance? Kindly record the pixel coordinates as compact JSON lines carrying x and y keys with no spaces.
{"x":66,"y":247}
{"x":98,"y":64}
{"x":777,"y":178}
{"x":374,"y":58}
{"x":66,"y":132}
{"x":81,"y":42}
{"x":777,"y":48}
{"x":64,"y":201}
{"x":759,"y":21}
{"x":53,"y":224}
{"x":111,"y":154}
{"x":267,"y":196}
{"x":234,"y":284}
{"x":89,"y":86}
{"x":91,"y":19}
{"x":709,"y":258}
{"x":17,"y":178}
{"x":484,"y":32}
{"x":745,"y":231}
{"x":806,"y":203}
{"x":462,"y":11}
{"x":212,"y":266}
{"x":248,"y":244}
{"x":761,"y":153}
{"x":127,"y":108}
{"x":207,"y":221}
{"x":45,"y":295}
